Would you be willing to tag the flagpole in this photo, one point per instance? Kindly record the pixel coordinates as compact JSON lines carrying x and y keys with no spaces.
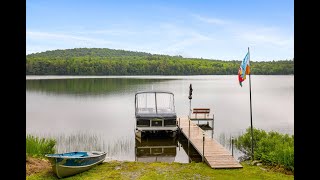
{"x":251,"y":112}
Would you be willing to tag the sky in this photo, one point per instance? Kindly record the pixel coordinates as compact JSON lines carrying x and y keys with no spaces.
{"x":210,"y":29}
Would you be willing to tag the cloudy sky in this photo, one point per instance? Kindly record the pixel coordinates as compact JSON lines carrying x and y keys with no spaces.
{"x":213,"y":29}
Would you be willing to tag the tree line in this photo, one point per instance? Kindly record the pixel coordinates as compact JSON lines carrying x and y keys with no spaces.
{"x":104,"y":61}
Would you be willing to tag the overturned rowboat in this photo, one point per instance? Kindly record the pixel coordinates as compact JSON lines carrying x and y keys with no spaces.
{"x":67,"y":164}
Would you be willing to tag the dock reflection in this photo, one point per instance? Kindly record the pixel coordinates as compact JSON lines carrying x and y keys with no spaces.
{"x":155,"y":149}
{"x":163,"y":149}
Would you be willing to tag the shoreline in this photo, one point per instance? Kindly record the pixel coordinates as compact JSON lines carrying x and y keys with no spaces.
{"x":161,"y":170}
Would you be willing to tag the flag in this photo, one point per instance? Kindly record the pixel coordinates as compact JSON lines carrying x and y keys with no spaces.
{"x":244,"y":68}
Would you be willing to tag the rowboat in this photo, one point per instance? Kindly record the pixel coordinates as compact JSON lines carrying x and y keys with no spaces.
{"x":67,"y":164}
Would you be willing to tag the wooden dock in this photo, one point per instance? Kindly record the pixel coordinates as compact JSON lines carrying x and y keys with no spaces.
{"x":215,"y":155}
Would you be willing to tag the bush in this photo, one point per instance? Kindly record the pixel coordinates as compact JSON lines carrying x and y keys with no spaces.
{"x":271,"y":148}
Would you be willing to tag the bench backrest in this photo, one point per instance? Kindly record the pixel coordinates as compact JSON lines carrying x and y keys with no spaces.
{"x":201,"y":110}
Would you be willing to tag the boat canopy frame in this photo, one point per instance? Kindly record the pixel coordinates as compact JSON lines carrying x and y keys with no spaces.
{"x":155,"y":93}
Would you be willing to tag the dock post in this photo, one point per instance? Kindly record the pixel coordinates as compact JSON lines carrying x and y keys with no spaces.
{"x":203,"y":148}
{"x":212,"y":129}
{"x":179,"y":123}
{"x":189,"y":133}
{"x":212,"y":124}
{"x":189,"y":128}
{"x":135,"y":153}
{"x":189,"y":136}
{"x":232,"y":145}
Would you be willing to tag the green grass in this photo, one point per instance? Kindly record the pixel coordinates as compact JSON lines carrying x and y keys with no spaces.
{"x":160,"y":170}
{"x":38,"y":147}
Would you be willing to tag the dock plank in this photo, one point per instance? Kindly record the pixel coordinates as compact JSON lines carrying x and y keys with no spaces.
{"x":215,"y":155}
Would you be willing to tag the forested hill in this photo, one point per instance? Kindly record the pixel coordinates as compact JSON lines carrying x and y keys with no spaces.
{"x":93,"y":52}
{"x":104,"y":61}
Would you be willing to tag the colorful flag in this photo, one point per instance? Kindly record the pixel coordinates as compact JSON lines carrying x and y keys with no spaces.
{"x":244,"y":68}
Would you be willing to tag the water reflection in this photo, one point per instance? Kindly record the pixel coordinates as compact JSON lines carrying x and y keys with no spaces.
{"x":192,"y":153}
{"x":165,"y":149}
{"x":90,"y":86}
{"x":156,"y":149}
{"x":225,"y":139}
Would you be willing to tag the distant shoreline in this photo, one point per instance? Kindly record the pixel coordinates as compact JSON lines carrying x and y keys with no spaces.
{"x":34,"y":77}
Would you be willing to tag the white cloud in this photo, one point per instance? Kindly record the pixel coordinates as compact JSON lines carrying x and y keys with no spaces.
{"x":31,"y":35}
{"x":181,"y":44}
{"x":260,"y":36}
{"x":36,"y":48}
{"x":251,"y":32}
{"x":211,"y":20}
{"x":178,"y":38}
{"x":43,"y":41}
{"x":112,"y":32}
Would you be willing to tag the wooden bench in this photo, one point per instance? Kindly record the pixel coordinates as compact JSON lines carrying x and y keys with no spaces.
{"x":204,"y":111}
{"x":204,"y":116}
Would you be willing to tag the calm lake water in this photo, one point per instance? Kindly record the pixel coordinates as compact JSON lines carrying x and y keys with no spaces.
{"x":97,"y":112}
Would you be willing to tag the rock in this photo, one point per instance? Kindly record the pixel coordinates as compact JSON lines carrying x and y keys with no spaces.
{"x":259,"y":164}
{"x":255,"y":162}
{"x":263,"y":169}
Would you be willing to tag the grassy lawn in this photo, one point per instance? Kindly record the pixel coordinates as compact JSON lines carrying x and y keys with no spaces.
{"x":160,"y":170}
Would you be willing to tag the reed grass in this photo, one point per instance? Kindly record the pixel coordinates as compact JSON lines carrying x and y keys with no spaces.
{"x":38,"y":147}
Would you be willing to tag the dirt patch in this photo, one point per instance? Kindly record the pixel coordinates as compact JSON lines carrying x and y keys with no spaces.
{"x":35,"y":165}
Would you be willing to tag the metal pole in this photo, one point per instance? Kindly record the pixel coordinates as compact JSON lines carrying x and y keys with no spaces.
{"x":232,"y":145}
{"x":212,"y":124}
{"x":189,"y":129}
{"x":135,"y":152}
{"x":212,"y":132}
{"x":155,"y":98}
{"x":251,"y":113}
{"x":190,"y":97}
{"x":189,"y":139}
{"x":190,"y":109}
{"x":203,"y":148}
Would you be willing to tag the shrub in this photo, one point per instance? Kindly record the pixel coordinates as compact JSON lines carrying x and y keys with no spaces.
{"x":271,"y":148}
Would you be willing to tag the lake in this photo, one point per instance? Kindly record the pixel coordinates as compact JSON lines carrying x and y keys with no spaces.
{"x":97,"y":112}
